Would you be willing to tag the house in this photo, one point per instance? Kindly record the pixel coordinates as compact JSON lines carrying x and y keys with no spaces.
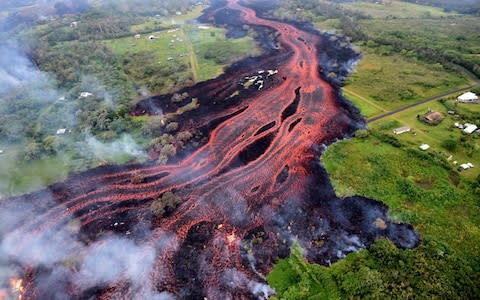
{"x":470,"y":128}
{"x":424,"y":147}
{"x":466,"y":166}
{"x":137,"y":36}
{"x":203,"y":27}
{"x":468,"y":97}
{"x":401,"y":130}
{"x":74,"y":25}
{"x":61,"y":131}
{"x":85,"y":94}
{"x":451,"y":112}
{"x":433,"y":117}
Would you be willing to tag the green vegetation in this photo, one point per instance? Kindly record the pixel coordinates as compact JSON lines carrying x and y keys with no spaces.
{"x":388,"y":81}
{"x":451,"y":40}
{"x":395,"y":9}
{"x":420,"y":188}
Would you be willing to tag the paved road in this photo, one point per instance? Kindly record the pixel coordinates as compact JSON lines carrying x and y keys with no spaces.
{"x":437,"y":97}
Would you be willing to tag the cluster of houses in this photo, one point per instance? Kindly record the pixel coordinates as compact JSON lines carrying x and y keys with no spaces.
{"x":468,"y":128}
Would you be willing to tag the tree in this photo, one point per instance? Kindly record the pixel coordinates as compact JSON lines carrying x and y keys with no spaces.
{"x":171,"y":127}
{"x":32,"y":151}
{"x":165,"y":204}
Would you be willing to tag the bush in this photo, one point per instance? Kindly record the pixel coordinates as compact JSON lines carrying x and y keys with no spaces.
{"x":165,"y":204}
{"x":450,"y":145}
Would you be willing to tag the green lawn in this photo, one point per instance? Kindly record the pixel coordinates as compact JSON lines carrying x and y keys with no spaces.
{"x":23,"y":177}
{"x":392,"y":81}
{"x":397,"y":9}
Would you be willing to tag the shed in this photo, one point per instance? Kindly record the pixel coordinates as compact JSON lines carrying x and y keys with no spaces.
{"x":61,"y":131}
{"x":401,"y":130}
{"x":424,"y":147}
{"x":468,"y":97}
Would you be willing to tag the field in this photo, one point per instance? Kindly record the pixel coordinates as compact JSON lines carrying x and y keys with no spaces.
{"x":385,"y":82}
{"x":467,"y":146}
{"x":185,"y":45}
{"x":24,"y":177}
{"x":395,"y":9}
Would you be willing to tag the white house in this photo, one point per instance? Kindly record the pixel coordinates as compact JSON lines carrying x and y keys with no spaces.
{"x":401,"y":130}
{"x":470,"y":128}
{"x":468,"y":97}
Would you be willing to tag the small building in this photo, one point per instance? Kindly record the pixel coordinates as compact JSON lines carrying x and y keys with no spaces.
{"x":424,"y":147}
{"x":401,"y":130}
{"x":451,"y":112}
{"x":466,"y":166}
{"x":74,"y":25}
{"x":433,"y":117}
{"x":137,"y":36}
{"x":470,"y":128}
{"x":61,"y":131}
{"x":468,"y":97}
{"x":203,"y":27}
{"x":85,"y":94}
{"x":152,"y":37}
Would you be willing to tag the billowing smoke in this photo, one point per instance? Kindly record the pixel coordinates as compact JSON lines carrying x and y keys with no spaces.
{"x":125,"y":145}
{"x":67,"y":260}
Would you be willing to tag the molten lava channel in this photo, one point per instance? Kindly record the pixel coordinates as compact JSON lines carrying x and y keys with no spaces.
{"x":249,"y":193}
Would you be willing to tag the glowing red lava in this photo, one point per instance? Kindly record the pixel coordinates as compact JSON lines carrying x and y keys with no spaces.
{"x":252,"y":190}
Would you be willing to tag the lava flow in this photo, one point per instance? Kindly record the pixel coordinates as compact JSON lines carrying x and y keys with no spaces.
{"x":250,"y":192}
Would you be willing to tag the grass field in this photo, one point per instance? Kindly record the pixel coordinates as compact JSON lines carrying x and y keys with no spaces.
{"x":441,"y":205}
{"x":385,"y":82}
{"x":187,"y":45}
{"x":436,"y":135}
{"x":395,"y":9}
{"x":457,"y":35}
{"x":416,"y":189}
{"x":23,"y":177}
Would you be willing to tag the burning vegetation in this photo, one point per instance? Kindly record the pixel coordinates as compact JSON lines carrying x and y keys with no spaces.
{"x":213,"y":223}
